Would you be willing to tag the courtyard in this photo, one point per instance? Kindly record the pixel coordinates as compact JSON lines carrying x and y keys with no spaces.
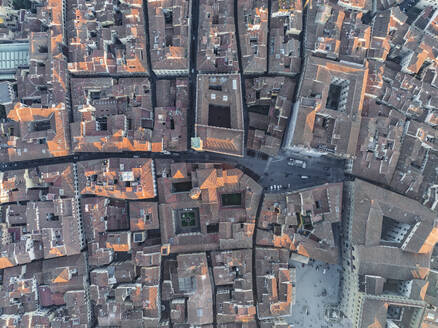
{"x":317,"y":289}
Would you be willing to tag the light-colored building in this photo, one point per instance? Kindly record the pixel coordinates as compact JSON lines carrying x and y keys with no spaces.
{"x":426,"y":3}
{"x":219,"y":125}
{"x":13,"y":56}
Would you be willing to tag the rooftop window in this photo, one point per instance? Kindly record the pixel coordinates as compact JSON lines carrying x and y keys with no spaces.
{"x":139,"y":237}
{"x":215,"y":87}
{"x":101,"y":124}
{"x":186,"y":284}
{"x":52,"y":217}
{"x":146,"y":123}
{"x":94,"y":95}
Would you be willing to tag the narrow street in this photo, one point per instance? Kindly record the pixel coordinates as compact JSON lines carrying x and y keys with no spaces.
{"x":314,"y":206}
{"x":268,"y":173}
{"x":191,"y":115}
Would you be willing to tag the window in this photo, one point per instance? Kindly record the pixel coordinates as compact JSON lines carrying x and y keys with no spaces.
{"x":101,"y":124}
{"x":52,"y":217}
{"x":215,"y":87}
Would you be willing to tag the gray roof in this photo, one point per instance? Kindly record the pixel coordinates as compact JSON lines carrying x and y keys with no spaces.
{"x":5,"y":95}
{"x":392,"y":263}
{"x":13,"y":55}
{"x":372,"y":203}
{"x":374,"y":284}
{"x":6,"y":76}
{"x":374,"y":313}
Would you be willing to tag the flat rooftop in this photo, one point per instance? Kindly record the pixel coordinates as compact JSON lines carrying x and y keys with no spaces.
{"x":219,"y":113}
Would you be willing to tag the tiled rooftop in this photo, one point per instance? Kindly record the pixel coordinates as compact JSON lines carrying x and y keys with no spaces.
{"x":217,"y":45}
{"x":175,"y":238}
{"x":200,"y":192}
{"x":269,"y":102}
{"x":106,"y":38}
{"x":330,"y":107}
{"x":253,"y":33}
{"x":118,"y":178}
{"x":169,"y":32}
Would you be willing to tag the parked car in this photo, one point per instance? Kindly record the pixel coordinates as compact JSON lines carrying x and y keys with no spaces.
{"x":297,"y":162}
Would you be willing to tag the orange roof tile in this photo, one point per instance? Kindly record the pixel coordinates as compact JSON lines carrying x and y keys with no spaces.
{"x":55,"y":251}
{"x":140,"y":224}
{"x":424,"y":290}
{"x":430,"y":242}
{"x":209,"y":181}
{"x":63,"y":277}
{"x":302,"y":250}
{"x":5,"y":263}
{"x":157,"y":147}
{"x":58,"y":146}
{"x":118,"y":247}
{"x":178,"y":175}
{"x":152,"y":298}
